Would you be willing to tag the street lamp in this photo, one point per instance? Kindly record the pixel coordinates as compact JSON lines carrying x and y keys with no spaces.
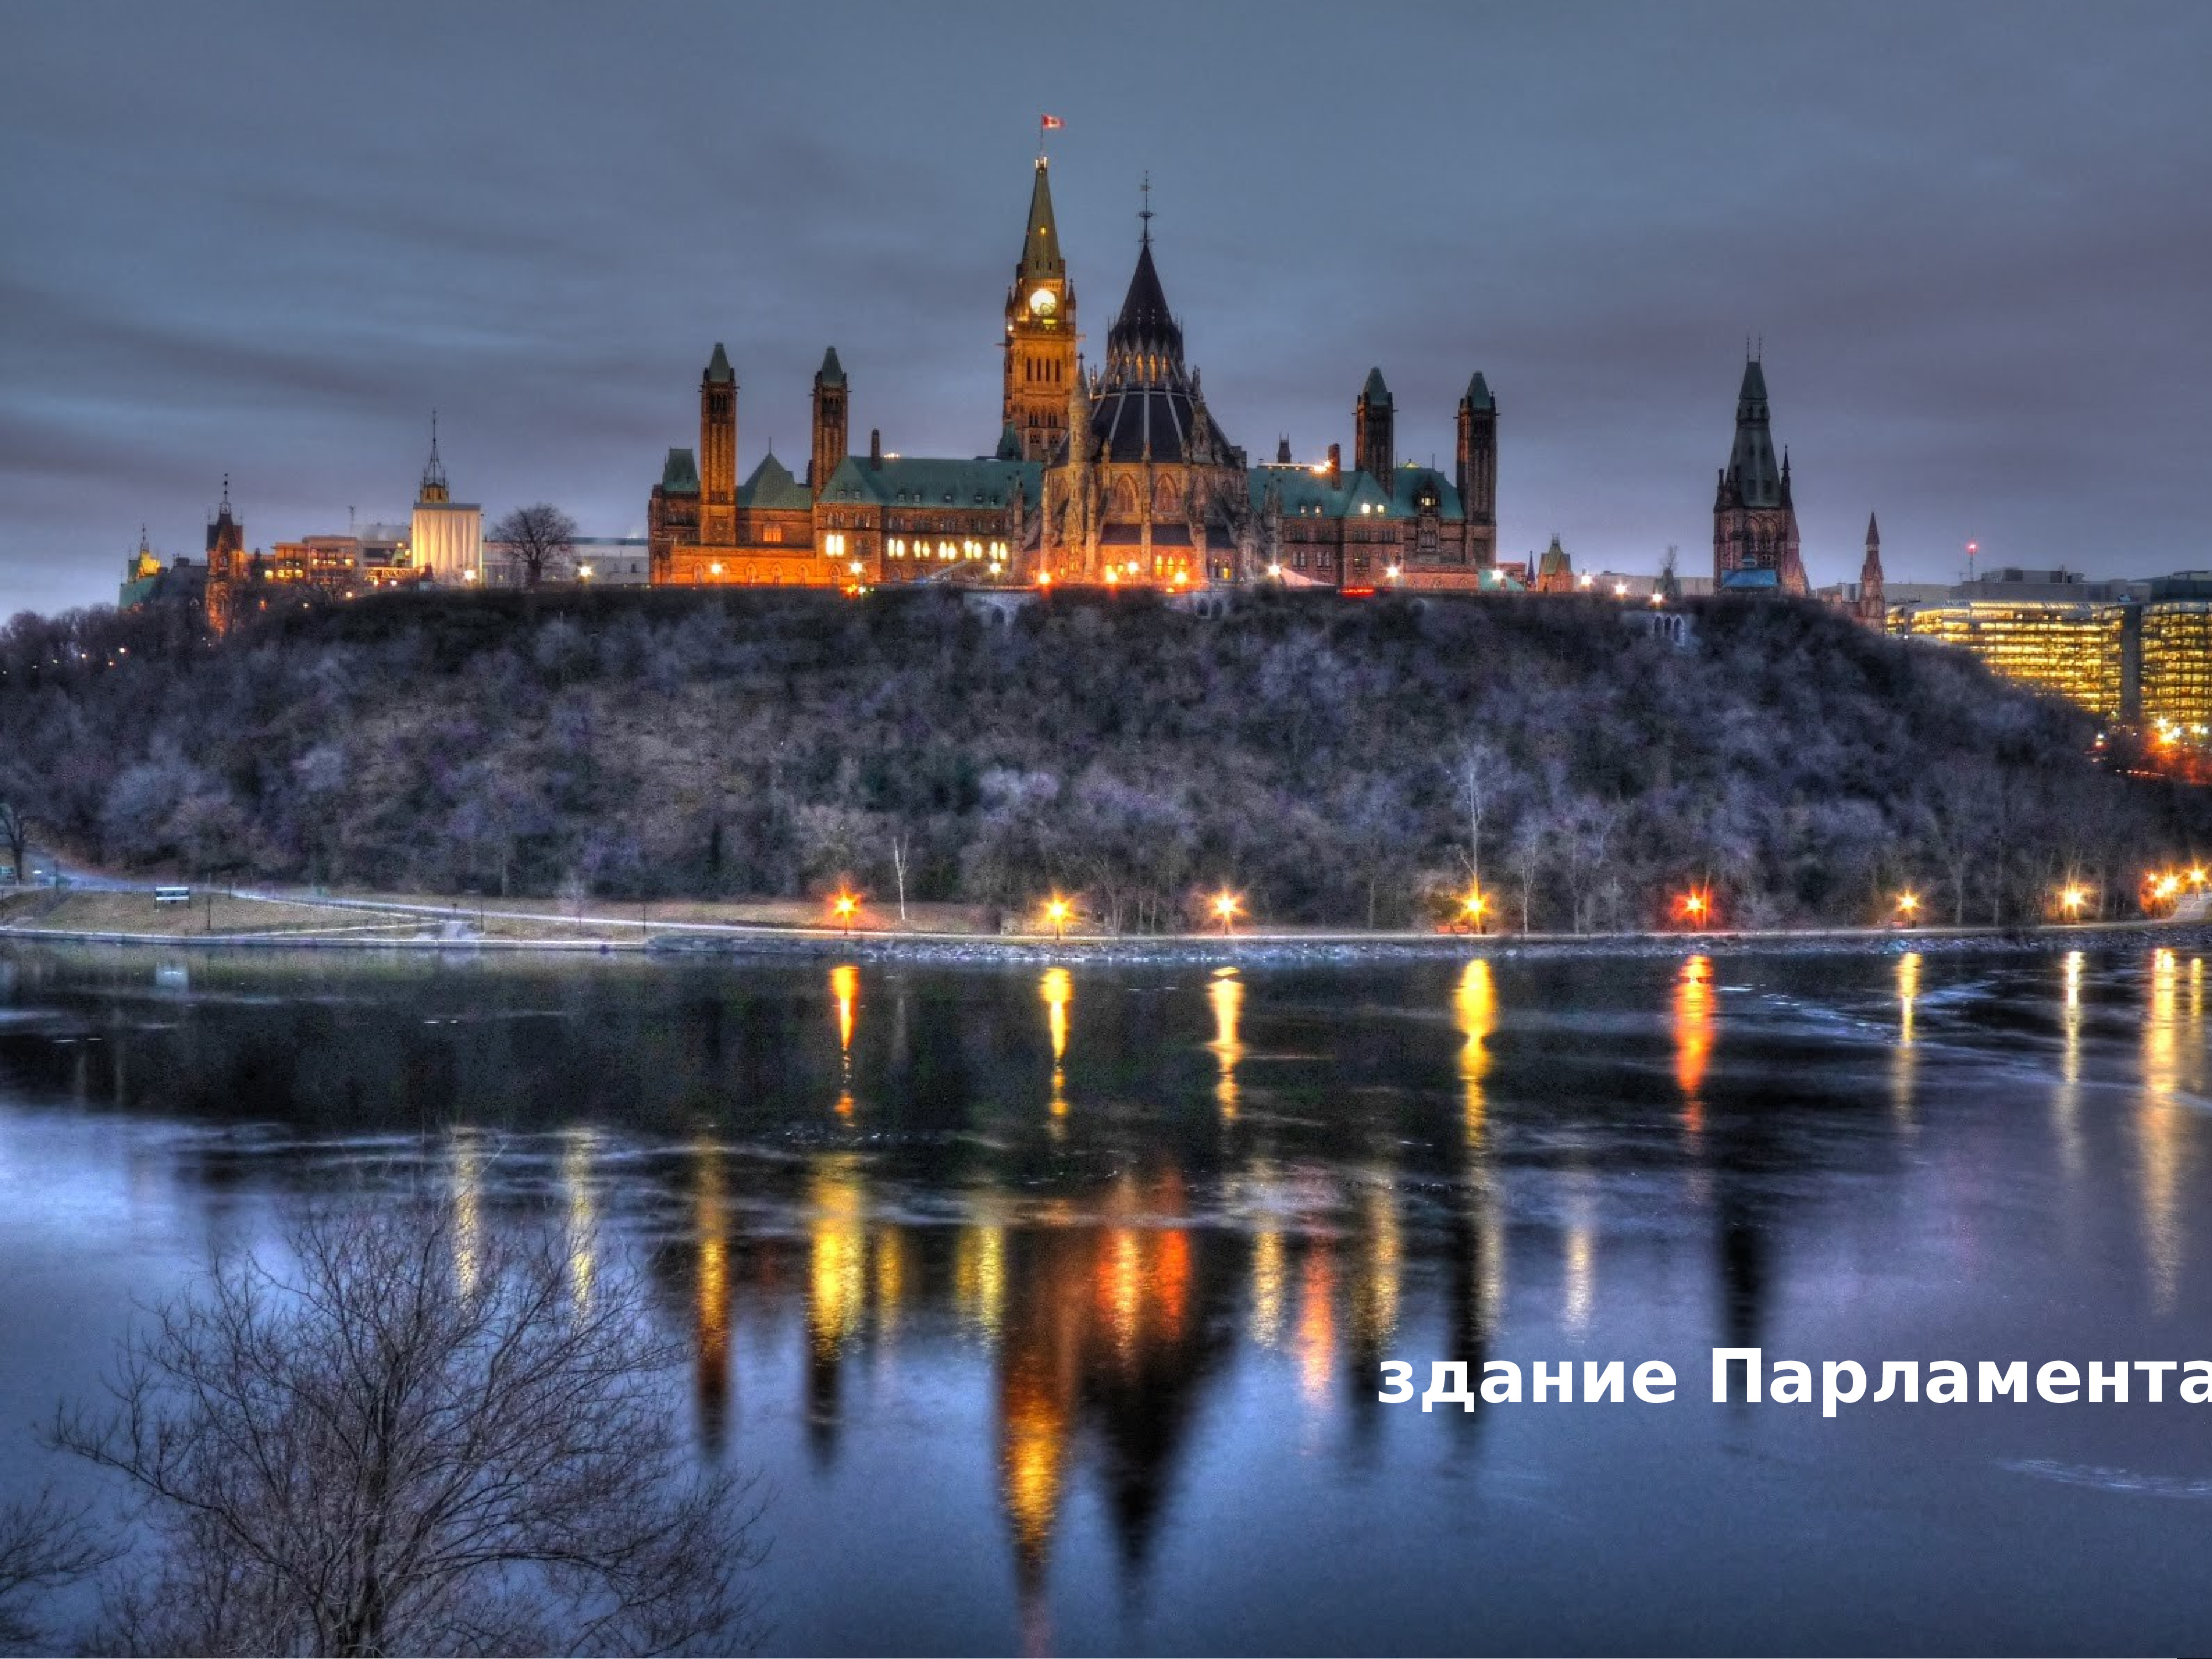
{"x":1908,"y":906}
{"x":1057,"y":910}
{"x":1225,"y":906}
{"x":2072,"y":899}
{"x":1695,"y":907}
{"x":1473,"y":906}
{"x":843,"y":907}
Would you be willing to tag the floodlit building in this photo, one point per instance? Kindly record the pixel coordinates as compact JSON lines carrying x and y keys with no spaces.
{"x":1114,"y":475}
{"x":445,"y":539}
{"x":2138,"y":651}
{"x":2175,"y":654}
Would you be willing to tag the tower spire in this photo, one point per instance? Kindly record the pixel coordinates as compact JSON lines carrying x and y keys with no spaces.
{"x":433,"y":471}
{"x":1144,"y":213}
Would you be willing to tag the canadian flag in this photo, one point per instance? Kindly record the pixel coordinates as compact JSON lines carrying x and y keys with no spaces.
{"x":1050,"y":122}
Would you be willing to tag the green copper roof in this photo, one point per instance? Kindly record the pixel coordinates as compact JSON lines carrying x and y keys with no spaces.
{"x":1304,"y":492}
{"x":1478,"y":393}
{"x":679,"y":474}
{"x":772,"y":485}
{"x":718,"y":366}
{"x":832,"y":372}
{"x":1375,"y":392}
{"x":923,"y":481}
{"x":1009,"y":443}
{"x":1041,"y":236}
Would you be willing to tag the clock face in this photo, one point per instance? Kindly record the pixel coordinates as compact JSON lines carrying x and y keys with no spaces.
{"x":1043,"y":303}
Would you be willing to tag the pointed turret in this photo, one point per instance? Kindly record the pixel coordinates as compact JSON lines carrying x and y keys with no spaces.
{"x":1874,"y":602}
{"x":1754,"y":478}
{"x":433,"y":490}
{"x":1040,"y":346}
{"x":717,"y":452}
{"x":830,"y":411}
{"x":1475,"y":470}
{"x":1146,"y":341}
{"x":1009,"y":443}
{"x":1754,"y":518}
{"x":1040,"y":261}
{"x":1374,"y":423}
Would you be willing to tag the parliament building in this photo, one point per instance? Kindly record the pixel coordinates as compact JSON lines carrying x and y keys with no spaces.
{"x":1110,"y":476}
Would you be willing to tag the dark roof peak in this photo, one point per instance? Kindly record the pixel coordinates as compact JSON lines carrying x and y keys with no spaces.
{"x":832,"y":372}
{"x":718,"y":366}
{"x":1478,"y":393}
{"x":1874,"y":532}
{"x":1375,"y":392}
{"x":1039,"y":233}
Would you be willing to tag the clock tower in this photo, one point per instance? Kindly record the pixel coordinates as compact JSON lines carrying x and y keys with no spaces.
{"x":1040,"y":333}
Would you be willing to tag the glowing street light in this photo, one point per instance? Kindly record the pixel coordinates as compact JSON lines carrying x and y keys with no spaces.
{"x":1908,"y":906}
{"x":2072,"y":899}
{"x":1225,"y":906}
{"x":1697,"y":908}
{"x":1474,"y":906}
{"x":843,"y":907}
{"x":2196,"y":875}
{"x":1620,"y":590}
{"x":1057,"y":912}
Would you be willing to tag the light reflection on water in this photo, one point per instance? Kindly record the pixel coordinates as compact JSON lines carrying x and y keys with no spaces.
{"x":1141,"y":1331}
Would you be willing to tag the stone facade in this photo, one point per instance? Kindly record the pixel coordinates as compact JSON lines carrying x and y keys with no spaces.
{"x":1754,"y":520}
{"x":1118,"y":476}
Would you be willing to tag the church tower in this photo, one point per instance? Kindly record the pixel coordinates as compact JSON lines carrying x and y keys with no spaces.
{"x":1754,"y":520}
{"x":1040,"y":332}
{"x":717,"y":452}
{"x":829,"y":421}
{"x":226,"y":541}
{"x":1373,"y":439}
{"x":1874,"y":604}
{"x":1476,"y":471}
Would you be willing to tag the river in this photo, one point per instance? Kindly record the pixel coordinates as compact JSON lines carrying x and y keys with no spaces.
{"x":1052,"y":1304}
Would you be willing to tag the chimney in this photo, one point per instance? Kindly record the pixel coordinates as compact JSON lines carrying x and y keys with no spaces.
{"x":1335,"y":465}
{"x":875,"y":449}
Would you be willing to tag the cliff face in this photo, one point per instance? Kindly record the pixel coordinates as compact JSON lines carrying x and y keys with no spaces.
{"x":1329,"y":760}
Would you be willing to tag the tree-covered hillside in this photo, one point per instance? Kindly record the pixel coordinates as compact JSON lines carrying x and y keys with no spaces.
{"x":1338,"y":762}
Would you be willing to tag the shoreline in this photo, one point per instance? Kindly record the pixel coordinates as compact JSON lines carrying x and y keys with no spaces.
{"x":707,"y":942}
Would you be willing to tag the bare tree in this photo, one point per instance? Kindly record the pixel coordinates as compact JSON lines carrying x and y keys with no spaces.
{"x":42,"y":1546}
{"x":539,"y":538}
{"x":1481,"y":773}
{"x":902,"y":855}
{"x":414,"y":1436}
{"x":15,"y":835}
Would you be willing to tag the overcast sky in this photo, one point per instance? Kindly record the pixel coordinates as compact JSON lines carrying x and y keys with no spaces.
{"x":267,"y":240}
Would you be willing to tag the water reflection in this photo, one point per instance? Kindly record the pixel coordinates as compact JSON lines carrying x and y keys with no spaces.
{"x":1226,"y":993}
{"x":1475,"y":1008}
{"x":2066,"y":1102}
{"x":1089,"y":1327}
{"x":2160,"y":1127}
{"x":578,"y":1148}
{"x":467,"y":1187}
{"x":1058,"y":989}
{"x":1904,"y":1061}
{"x":845,"y":993}
{"x":1693,"y":1038}
{"x":710,"y":1323}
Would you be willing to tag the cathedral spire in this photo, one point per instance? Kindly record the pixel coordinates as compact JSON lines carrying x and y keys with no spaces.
{"x":434,"y":472}
{"x":1041,"y":260}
